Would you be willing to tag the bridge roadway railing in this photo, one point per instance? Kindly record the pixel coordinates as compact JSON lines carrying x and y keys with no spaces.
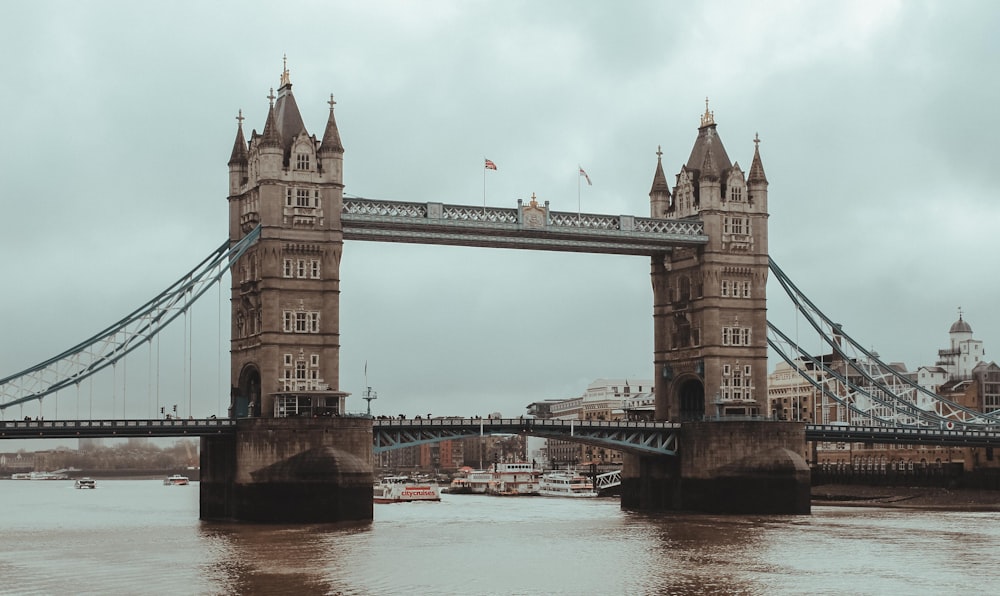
{"x":74,"y":429}
{"x":481,"y":226}
{"x":644,"y":438}
{"x":962,"y":437}
{"x":639,"y":437}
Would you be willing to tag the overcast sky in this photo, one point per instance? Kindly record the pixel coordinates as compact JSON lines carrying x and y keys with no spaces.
{"x":878,"y":124}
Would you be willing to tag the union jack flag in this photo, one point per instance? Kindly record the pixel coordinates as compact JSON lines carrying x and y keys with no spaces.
{"x":490,"y":165}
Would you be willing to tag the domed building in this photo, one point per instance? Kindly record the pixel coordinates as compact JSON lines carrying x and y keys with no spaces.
{"x":963,"y":354}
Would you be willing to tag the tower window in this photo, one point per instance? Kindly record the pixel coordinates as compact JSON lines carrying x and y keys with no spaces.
{"x":302,"y":197}
{"x":302,"y":161}
{"x":298,"y":321}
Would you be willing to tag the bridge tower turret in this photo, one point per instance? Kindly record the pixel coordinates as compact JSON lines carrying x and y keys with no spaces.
{"x":710,"y":337}
{"x":286,"y":289}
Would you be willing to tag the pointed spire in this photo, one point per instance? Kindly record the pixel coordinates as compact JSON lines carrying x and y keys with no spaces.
{"x":757,"y":167}
{"x":270,"y":136}
{"x":331,"y":136}
{"x":286,"y":81}
{"x":659,"y":179}
{"x":239,"y":155}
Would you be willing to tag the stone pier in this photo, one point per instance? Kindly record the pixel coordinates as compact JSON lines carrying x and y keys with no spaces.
{"x":724,"y":467}
{"x":289,"y":470}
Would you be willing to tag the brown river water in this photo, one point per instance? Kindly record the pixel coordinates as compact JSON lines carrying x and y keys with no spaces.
{"x":140,"y":537}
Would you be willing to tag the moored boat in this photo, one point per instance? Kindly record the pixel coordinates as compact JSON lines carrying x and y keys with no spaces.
{"x":176,"y":480}
{"x":514,"y":479}
{"x":39,"y":476}
{"x":561,"y":483}
{"x":85,"y":483}
{"x":403,"y":489}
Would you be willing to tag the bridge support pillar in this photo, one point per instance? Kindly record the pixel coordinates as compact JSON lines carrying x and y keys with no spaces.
{"x":724,"y":467}
{"x":289,"y":470}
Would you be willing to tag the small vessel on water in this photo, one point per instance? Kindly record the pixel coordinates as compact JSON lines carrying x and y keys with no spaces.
{"x":403,"y":489}
{"x":85,"y":483}
{"x":561,"y":483}
{"x":39,"y":476}
{"x":176,"y":480}
{"x":514,"y":479}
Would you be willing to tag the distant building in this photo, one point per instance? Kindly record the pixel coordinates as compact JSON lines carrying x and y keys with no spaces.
{"x":604,"y":399}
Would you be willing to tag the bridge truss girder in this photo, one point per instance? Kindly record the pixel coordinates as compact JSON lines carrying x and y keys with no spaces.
{"x":640,"y":438}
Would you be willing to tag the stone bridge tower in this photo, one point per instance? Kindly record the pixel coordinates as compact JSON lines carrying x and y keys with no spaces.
{"x":710,"y":349}
{"x":286,"y":289}
{"x":295,"y":456}
{"x":709,"y":306}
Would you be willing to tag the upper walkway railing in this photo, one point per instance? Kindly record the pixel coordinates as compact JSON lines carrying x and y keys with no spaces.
{"x":526,"y":226}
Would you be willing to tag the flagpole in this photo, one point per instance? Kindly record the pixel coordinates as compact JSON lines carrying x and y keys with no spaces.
{"x":578,"y":194}
{"x":484,"y":185}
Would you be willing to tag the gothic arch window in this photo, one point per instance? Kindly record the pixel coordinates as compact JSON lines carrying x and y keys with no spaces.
{"x":684,"y":289}
{"x":682,"y":332}
{"x":736,"y":187}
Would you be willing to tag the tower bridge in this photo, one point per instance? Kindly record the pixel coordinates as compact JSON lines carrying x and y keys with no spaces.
{"x":290,"y":439}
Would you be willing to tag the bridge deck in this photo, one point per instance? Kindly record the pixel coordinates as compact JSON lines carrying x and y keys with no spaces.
{"x":637,"y":436}
{"x":74,"y":429}
{"x":466,"y":225}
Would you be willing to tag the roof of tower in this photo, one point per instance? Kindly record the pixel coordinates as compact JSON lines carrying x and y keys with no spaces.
{"x":960,"y":326}
{"x":331,"y":136}
{"x":659,"y":179}
{"x":287,"y":117}
{"x":757,"y":167}
{"x":707,"y":139}
{"x":239,"y":154}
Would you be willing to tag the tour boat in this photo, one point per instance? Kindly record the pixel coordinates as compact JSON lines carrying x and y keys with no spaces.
{"x":403,"y":489}
{"x":175,"y":480}
{"x":85,"y":483}
{"x":514,"y":479}
{"x":565,"y":484}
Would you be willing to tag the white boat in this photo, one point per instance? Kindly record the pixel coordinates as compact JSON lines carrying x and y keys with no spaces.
{"x":565,"y":484}
{"x":514,"y":479}
{"x":85,"y":483}
{"x":403,"y":489}
{"x":176,"y":480}
{"x":479,"y":481}
{"x":39,"y":476}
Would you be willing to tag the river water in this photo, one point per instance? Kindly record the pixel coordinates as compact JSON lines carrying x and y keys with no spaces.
{"x":140,"y":537}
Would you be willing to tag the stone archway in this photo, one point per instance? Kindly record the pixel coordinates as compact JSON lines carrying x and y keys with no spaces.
{"x":691,"y":397}
{"x":247,"y":402}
